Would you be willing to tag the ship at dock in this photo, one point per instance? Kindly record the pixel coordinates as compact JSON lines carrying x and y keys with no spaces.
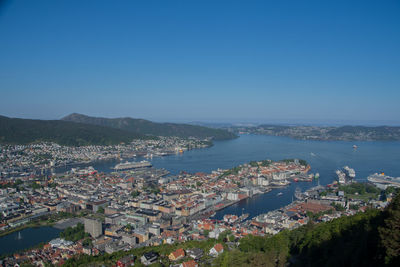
{"x":83,"y":172}
{"x":132,"y":165}
{"x":350,"y":172}
{"x":383,"y":181}
{"x":341,"y":176}
{"x":345,"y":175}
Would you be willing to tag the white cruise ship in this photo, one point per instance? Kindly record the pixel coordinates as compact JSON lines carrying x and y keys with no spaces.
{"x":382,"y":181}
{"x":350,"y":172}
{"x":341,"y":177}
{"x":132,"y":165}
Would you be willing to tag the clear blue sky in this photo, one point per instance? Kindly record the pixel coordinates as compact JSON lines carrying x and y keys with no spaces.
{"x":201,"y":60}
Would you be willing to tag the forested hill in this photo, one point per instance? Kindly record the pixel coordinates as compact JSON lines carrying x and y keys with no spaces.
{"x":23,"y":131}
{"x":152,"y":128}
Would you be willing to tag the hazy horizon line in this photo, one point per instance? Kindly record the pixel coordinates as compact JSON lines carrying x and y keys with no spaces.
{"x":240,"y":121}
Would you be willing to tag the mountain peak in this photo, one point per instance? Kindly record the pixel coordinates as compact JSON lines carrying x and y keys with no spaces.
{"x":73,"y":116}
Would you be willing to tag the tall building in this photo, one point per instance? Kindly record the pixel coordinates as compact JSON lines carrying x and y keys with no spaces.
{"x":93,"y":227}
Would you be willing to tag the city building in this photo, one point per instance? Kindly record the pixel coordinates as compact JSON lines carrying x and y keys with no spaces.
{"x":93,"y":227}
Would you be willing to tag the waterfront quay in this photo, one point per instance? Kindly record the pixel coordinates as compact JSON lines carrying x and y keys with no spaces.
{"x":35,"y":160}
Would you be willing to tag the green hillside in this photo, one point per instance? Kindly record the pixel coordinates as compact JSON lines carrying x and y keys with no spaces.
{"x":23,"y":131}
{"x":152,"y":128}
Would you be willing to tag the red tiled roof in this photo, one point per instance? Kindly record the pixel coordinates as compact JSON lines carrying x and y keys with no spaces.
{"x":218,"y":247}
{"x":191,"y":263}
{"x":178,"y":253}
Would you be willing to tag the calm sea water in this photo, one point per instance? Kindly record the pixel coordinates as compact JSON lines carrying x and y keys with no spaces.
{"x":28,"y":238}
{"x":324,"y":157}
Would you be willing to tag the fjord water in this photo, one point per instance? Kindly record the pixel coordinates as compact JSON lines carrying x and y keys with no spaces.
{"x":324,"y":156}
{"x":26,"y":238}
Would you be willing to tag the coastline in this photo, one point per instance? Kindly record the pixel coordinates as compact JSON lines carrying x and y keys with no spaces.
{"x":326,"y":139}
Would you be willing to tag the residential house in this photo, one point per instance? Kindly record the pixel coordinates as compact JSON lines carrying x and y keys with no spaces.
{"x":195,"y":253}
{"x":126,"y":261}
{"x":216,"y":250}
{"x":190,"y":263}
{"x":149,"y":258}
{"x":177,"y":255}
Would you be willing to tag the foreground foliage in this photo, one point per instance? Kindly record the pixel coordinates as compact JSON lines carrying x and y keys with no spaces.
{"x":365,"y":239}
{"x":164,"y":250}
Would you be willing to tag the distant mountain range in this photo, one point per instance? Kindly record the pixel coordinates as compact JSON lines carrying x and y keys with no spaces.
{"x":146,"y":127}
{"x":78,"y":130}
{"x":343,"y":133}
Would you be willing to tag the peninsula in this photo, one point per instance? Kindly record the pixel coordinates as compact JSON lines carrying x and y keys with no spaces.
{"x":328,"y":133}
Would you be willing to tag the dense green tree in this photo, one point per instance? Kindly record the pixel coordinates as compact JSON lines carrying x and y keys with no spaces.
{"x":74,"y":233}
{"x":338,"y":207}
{"x":100,"y":210}
{"x":206,"y":233}
{"x":390,"y":232}
{"x":35,"y":185}
{"x":135,"y":193}
{"x":87,"y":242}
{"x":390,"y":190}
{"x":253,"y":163}
{"x":224,"y":235}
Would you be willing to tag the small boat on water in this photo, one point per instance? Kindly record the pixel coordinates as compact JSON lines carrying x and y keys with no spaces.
{"x":279,"y":194}
{"x":355,"y":146}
